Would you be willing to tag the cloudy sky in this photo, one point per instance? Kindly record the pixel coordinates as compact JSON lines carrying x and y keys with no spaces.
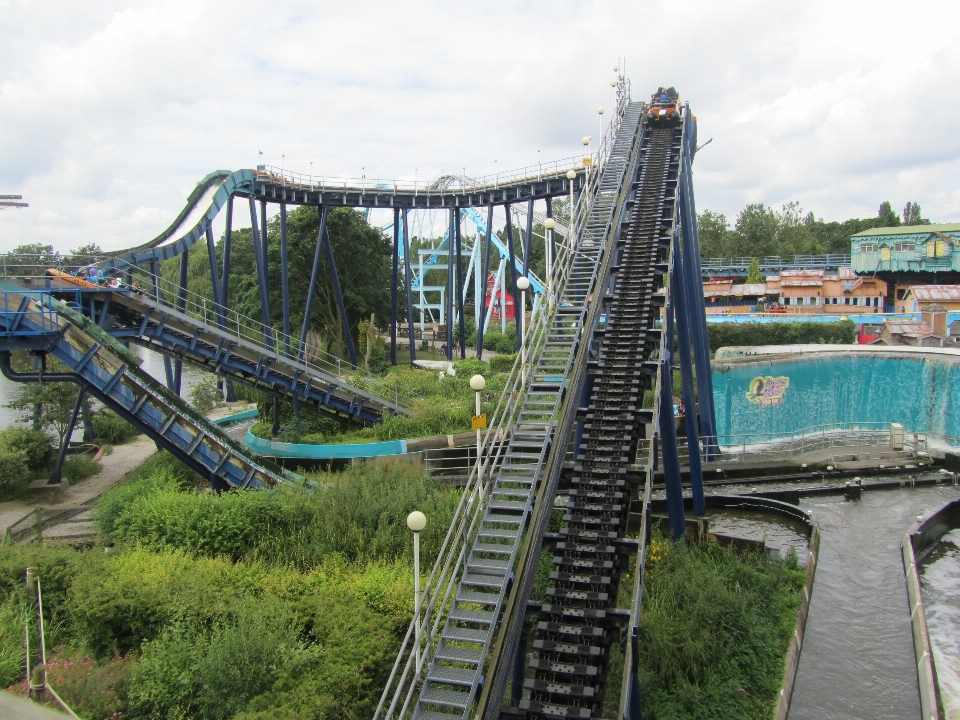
{"x":110,"y":112}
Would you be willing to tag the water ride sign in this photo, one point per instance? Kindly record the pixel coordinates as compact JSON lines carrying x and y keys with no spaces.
{"x":766,"y":391}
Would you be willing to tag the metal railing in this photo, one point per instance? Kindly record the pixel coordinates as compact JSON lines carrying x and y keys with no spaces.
{"x":736,"y":448}
{"x":805,"y":261}
{"x":451,"y":183}
{"x":436,"y":596}
{"x":217,"y":318}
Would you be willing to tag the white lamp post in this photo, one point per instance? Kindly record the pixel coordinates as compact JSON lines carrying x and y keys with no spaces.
{"x":416,"y":521}
{"x":587,"y":162}
{"x":600,"y":111}
{"x":477,"y":384}
{"x":522,"y":285}
{"x":550,"y":224}
{"x":571,"y":176}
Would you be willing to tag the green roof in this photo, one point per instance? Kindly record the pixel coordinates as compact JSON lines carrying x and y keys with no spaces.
{"x":910,"y":230}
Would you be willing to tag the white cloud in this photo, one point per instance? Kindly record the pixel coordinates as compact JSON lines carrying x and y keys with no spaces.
{"x":111,"y":112}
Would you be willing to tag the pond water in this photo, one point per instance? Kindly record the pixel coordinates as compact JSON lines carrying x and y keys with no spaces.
{"x":857,"y":659}
{"x":940,"y":582}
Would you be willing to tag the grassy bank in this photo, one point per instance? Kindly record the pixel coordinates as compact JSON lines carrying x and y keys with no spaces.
{"x":441,"y":406}
{"x":241,"y":605}
{"x":714,"y":631}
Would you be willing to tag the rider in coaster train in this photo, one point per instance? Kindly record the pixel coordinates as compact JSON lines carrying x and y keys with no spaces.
{"x":665,"y":105}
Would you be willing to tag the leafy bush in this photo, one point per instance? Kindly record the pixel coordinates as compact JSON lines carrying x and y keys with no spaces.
{"x":780,"y":333}
{"x":205,"y":395}
{"x":79,"y":467}
{"x":714,"y":621}
{"x":501,"y":342}
{"x":358,"y":515}
{"x":14,"y":471}
{"x":34,"y":443}
{"x":92,"y":689}
{"x":191,"y":672}
{"x":163,"y":472}
{"x":110,"y":427}
{"x":502,"y":363}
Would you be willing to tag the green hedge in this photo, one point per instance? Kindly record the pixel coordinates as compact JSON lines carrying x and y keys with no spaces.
{"x":35,"y":444}
{"x":780,"y":333}
{"x":111,"y":428}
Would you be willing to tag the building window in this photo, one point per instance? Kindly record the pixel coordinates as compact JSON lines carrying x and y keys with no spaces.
{"x":871,"y":248}
{"x":903,"y":246}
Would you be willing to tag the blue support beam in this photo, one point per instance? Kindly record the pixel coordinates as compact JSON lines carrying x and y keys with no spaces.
{"x":528,"y":238}
{"x":322,"y":212}
{"x":285,"y":279}
{"x":338,"y":293}
{"x":408,"y":284}
{"x":482,"y":310}
{"x":668,"y":431}
{"x":228,"y":393}
{"x":691,"y":251}
{"x":181,"y":306}
{"x":448,"y":300}
{"x":393,"y":286}
{"x":682,"y":306}
{"x":259,"y":242}
{"x":513,"y":276}
{"x":459,"y":250}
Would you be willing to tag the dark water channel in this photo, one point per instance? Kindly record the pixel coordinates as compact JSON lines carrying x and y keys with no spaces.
{"x":940,"y":585}
{"x":857,"y":659}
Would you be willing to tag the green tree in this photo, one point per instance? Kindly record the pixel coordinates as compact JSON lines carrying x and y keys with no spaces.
{"x":758,"y":226}
{"x":47,"y":405}
{"x":911,"y":215}
{"x":753,"y":274}
{"x":886,"y":215}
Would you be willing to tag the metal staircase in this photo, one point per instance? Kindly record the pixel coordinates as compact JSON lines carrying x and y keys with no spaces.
{"x":99,"y":363}
{"x":455,"y":669}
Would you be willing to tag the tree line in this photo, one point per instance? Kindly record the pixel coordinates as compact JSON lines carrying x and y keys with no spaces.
{"x":762,"y":230}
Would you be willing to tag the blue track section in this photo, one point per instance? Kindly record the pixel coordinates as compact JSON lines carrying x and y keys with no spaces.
{"x":100,"y":364}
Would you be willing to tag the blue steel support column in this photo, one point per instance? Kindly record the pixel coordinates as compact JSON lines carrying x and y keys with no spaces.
{"x":408,"y":283}
{"x":344,"y":320}
{"x":486,"y":271}
{"x":322,"y":211}
{"x":463,"y":323}
{"x":513,"y":274}
{"x":214,"y":279}
{"x":284,"y":279}
{"x":56,"y":477}
{"x":393,"y":286}
{"x":181,"y":306}
{"x":668,"y":430}
{"x":691,"y":249}
{"x":528,"y":238}
{"x":448,"y":300}
{"x":679,"y":293}
{"x":258,"y":256}
{"x":225,"y":283}
{"x":553,"y":235}
{"x":155,"y":274}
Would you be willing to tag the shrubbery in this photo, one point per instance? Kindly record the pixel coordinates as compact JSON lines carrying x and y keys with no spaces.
{"x":780,"y":333}
{"x":35,"y":444}
{"x":79,"y":467}
{"x":205,"y":395}
{"x":110,"y":427}
{"x":14,"y":472}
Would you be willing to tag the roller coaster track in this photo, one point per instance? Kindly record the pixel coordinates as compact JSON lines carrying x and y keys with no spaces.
{"x":573,"y":629}
{"x":456,"y":668}
{"x":493,"y":652}
{"x":101,"y":365}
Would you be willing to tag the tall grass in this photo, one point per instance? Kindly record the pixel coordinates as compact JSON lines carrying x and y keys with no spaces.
{"x":714,"y":622}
